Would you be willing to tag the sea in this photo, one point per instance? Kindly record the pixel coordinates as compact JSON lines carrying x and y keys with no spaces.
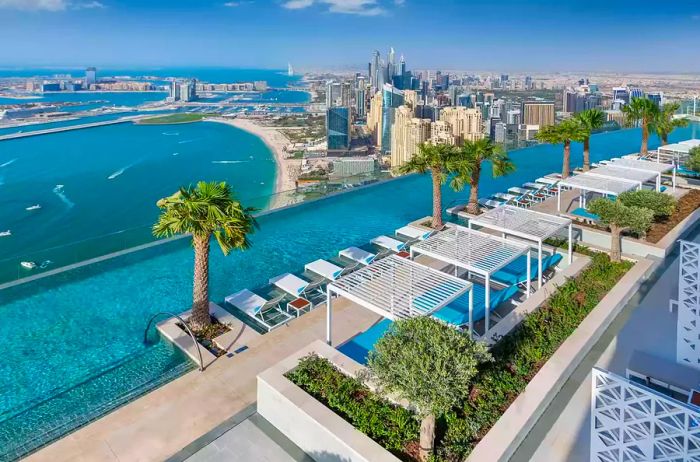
{"x":75,"y":194}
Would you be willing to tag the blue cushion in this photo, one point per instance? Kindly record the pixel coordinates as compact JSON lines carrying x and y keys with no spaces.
{"x":457,"y":312}
{"x":360,"y":345}
{"x":515,"y":272}
{"x":581,"y":212}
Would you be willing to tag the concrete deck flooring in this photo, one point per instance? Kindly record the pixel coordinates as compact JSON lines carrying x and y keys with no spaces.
{"x":563,"y":432}
{"x":166,"y":420}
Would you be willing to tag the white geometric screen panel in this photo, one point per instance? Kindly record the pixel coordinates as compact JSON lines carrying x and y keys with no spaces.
{"x":688,"y":331}
{"x":630,"y":422}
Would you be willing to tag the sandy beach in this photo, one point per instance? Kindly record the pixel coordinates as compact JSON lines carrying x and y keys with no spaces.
{"x":276,"y":141}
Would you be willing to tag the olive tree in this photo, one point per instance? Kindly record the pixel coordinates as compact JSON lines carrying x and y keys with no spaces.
{"x":663,"y":205}
{"x":620,"y":217}
{"x":693,"y":162}
{"x":428,"y":364}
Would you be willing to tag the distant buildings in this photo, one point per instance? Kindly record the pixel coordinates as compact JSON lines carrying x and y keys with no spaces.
{"x":182,"y":91}
{"x":338,"y":128}
{"x":408,"y":132}
{"x":392,"y":98}
{"x":465,"y":123}
{"x":536,"y":112}
{"x":353,"y":166}
{"x":90,"y":77}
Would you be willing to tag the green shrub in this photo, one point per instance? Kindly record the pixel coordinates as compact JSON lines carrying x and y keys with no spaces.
{"x":391,"y":426}
{"x":663,"y":205}
{"x":693,"y":162}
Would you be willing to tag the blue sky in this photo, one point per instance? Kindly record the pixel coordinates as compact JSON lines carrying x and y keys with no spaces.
{"x":537,"y":35}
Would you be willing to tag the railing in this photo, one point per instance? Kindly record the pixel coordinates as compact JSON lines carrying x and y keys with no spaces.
{"x":184,"y":325}
{"x":91,"y":250}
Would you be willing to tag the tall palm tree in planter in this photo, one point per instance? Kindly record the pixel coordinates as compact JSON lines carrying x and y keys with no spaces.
{"x":591,"y":120}
{"x":467,"y":165}
{"x":664,"y":123}
{"x":435,"y":158}
{"x":205,"y":210}
{"x":642,"y":111}
{"x":565,"y":132}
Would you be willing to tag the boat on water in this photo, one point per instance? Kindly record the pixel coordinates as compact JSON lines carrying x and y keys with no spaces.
{"x":6,"y":233}
{"x":33,"y":207}
{"x":28,"y":264}
{"x":58,"y":188}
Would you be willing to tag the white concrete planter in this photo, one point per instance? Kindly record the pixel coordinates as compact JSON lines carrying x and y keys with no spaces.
{"x":316,"y":429}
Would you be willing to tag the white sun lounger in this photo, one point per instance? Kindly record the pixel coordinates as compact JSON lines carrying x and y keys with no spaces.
{"x":389,"y":243}
{"x":358,"y":255}
{"x":290,"y":283}
{"x":413,"y":233}
{"x":324,"y":268}
{"x":519,"y":191}
{"x":505,"y":197}
{"x":547,"y":180}
{"x":257,"y":307}
{"x":490,"y":203}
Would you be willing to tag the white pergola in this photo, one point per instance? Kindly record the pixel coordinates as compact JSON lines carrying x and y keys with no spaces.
{"x":526,"y":224}
{"x":646,"y":165}
{"x":397,"y":288}
{"x":620,"y":172}
{"x":474,"y":251}
{"x":596,"y":184}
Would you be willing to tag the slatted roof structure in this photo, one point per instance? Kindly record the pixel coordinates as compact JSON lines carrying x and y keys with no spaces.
{"x":647,"y":166}
{"x":474,"y":251}
{"x":526,"y":224}
{"x":396,"y":288}
{"x":599,"y":184}
{"x":613,"y":171}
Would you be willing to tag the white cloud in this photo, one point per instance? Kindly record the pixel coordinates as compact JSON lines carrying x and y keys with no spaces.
{"x":34,"y":5}
{"x":88,"y":5}
{"x":359,"y":7}
{"x":237,"y":3}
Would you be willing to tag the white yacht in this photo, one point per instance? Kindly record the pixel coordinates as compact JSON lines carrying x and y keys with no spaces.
{"x":33,"y":207}
{"x":6,"y":233}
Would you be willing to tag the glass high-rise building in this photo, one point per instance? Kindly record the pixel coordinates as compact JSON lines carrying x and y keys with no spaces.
{"x":392,"y":98}
{"x":338,"y":128}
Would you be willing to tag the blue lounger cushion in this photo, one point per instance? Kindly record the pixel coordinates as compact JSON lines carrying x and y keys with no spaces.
{"x":515,"y":272}
{"x":359,"y":346}
{"x":457,"y":312}
{"x":583,"y":213}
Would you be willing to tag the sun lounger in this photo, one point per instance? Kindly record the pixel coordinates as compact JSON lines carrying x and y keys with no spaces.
{"x":505,"y":197}
{"x":358,"y":255}
{"x":265,"y":312}
{"x":515,"y":272}
{"x":413,"y":233}
{"x":324,"y":269}
{"x":388,"y":243}
{"x":490,"y":203}
{"x":359,"y":346}
{"x":585,"y":215}
{"x":290,"y":283}
{"x":519,"y":191}
{"x":457,"y":312}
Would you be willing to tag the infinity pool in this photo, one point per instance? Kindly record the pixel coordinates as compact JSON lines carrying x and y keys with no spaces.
{"x":72,"y":343}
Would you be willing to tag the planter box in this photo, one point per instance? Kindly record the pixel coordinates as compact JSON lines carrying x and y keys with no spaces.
{"x":316,"y":429}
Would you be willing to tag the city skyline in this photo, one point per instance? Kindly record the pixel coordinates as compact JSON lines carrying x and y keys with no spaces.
{"x":545,"y":36}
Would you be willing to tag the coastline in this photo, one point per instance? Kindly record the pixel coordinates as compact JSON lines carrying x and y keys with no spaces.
{"x":276,"y":142}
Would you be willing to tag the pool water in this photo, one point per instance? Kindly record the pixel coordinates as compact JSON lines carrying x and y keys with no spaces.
{"x":75,"y":339}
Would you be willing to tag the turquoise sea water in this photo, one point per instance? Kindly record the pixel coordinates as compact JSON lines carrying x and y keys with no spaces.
{"x":108,"y":99}
{"x":111,"y":178}
{"x":76,"y":337}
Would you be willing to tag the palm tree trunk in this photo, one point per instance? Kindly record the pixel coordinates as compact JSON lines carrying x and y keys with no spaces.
{"x":586,"y":153}
{"x":566,"y":167}
{"x":645,"y":138}
{"x":427,"y":437}
{"x":200,"y":292}
{"x":664,"y":139}
{"x":437,"y":199}
{"x":473,"y":205}
{"x":615,"y":244}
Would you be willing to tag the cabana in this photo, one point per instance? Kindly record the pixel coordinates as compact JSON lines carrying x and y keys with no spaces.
{"x":397,"y":288}
{"x":647,"y":166}
{"x":526,"y":224}
{"x":620,"y":172}
{"x":586,"y":182}
{"x":474,"y":251}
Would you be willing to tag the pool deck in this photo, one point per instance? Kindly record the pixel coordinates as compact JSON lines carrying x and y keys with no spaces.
{"x":159,"y":424}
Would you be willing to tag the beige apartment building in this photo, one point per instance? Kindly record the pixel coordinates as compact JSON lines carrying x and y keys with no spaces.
{"x":466,"y":123}
{"x":374,"y":118}
{"x":407,"y":134}
{"x":537,"y":113}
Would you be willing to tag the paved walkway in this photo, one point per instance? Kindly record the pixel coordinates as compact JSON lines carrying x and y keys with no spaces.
{"x":563,"y":432}
{"x":166,"y":420}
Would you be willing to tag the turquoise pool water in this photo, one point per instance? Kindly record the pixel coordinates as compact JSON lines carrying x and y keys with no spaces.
{"x":75,"y":338}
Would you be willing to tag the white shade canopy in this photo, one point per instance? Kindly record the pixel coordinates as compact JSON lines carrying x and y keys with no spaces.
{"x":518,"y":221}
{"x":398,"y":288}
{"x":647,"y":165}
{"x":614,"y":171}
{"x":600,"y":184}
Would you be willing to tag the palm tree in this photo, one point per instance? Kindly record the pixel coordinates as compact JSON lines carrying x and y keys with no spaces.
{"x":591,"y":120}
{"x":641,"y":111}
{"x":664,"y":123}
{"x":565,"y":132}
{"x":467,"y":167}
{"x":436,"y":158}
{"x":207,"y":209}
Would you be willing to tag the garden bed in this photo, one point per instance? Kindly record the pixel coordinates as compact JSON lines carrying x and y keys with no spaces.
{"x":518,"y":357}
{"x":206,"y":336}
{"x":685,"y":206}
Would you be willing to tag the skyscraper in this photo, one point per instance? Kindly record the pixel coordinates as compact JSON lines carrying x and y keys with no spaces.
{"x":361,"y":101}
{"x":90,"y":76}
{"x":408,"y":132}
{"x":338,"y":128}
{"x":374,"y":71}
{"x":537,"y":113}
{"x":392,"y":98}
{"x":464,"y":122}
{"x":621,"y":94}
{"x":374,"y":118}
